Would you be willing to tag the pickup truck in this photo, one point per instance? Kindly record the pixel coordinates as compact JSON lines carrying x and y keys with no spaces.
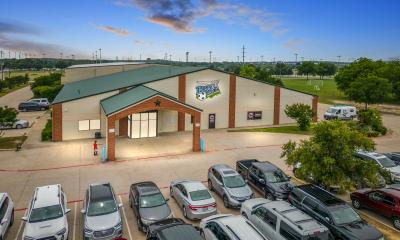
{"x":266,"y":178}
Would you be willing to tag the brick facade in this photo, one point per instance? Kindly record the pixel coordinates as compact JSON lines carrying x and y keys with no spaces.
{"x":232,"y":100}
{"x":57,"y":122}
{"x":277,"y":105}
{"x":315,"y":108}
{"x":181,"y":98}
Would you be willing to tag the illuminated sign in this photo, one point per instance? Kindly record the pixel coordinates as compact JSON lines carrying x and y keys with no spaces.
{"x":207,"y":89}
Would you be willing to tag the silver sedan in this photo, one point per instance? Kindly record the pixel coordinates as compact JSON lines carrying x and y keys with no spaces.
{"x":194,"y":199}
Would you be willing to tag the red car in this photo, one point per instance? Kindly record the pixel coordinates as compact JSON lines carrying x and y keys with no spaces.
{"x":385,"y":201}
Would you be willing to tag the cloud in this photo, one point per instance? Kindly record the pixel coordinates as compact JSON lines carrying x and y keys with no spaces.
{"x":142,"y":43}
{"x":293,"y":44}
{"x":118,"y":31}
{"x":181,"y":15}
{"x":17,"y":28}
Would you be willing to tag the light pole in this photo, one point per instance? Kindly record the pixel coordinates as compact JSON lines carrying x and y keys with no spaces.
{"x":100,"y":54}
{"x":296,"y":54}
{"x":210,"y":52}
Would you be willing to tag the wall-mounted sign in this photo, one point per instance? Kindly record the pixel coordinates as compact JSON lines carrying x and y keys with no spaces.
{"x":207,"y":89}
{"x":254,"y":115}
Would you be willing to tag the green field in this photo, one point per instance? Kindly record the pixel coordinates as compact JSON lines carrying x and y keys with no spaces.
{"x":32,"y":74}
{"x":325,"y":89}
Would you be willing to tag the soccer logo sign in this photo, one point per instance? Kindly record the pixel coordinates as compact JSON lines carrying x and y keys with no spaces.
{"x":207,"y":89}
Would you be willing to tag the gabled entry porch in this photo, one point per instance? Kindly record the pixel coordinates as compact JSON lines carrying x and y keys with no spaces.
{"x":141,"y":99}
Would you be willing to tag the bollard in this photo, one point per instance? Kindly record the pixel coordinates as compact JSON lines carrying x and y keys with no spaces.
{"x":202,"y":143}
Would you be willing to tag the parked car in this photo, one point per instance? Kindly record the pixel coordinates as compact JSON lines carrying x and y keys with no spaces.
{"x":31,"y":106}
{"x":342,"y":112}
{"x":394,"y":156}
{"x":46,"y":217}
{"x":101,"y":213}
{"x":41,"y":101}
{"x":265,"y":177}
{"x":172,"y":229}
{"x":18,"y":124}
{"x":279,"y":220}
{"x":229,"y":184}
{"x":148,"y":204}
{"x":384,"y":201}
{"x":228,"y":226}
{"x":341,"y":220}
{"x":6,"y":214}
{"x":383,"y":162}
{"x":194,"y":199}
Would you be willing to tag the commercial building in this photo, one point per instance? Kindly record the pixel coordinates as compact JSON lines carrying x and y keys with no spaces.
{"x":144,"y":100}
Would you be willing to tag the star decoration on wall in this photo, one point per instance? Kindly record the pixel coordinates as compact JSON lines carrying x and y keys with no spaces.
{"x":157,"y":103}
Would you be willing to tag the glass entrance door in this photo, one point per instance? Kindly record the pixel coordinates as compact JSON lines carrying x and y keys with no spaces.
{"x":142,"y":125}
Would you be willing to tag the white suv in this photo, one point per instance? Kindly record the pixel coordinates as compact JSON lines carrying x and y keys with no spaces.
{"x":6,"y":214}
{"x":46,"y":217}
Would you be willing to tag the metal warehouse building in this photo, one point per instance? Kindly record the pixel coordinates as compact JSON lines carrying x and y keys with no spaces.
{"x":144,"y":100}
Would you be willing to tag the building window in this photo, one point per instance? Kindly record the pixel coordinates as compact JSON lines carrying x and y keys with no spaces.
{"x":85,"y":125}
{"x":254,"y":115}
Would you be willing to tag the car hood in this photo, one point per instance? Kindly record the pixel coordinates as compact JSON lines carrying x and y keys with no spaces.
{"x":395,"y":170}
{"x":360,"y":230}
{"x":103,"y":222}
{"x":155,"y":213}
{"x":282,"y":187}
{"x":46,"y":228}
{"x":21,"y":121}
{"x":240,"y":192}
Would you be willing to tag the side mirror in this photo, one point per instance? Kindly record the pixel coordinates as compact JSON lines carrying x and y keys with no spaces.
{"x":25,"y":219}
{"x":67,"y":210}
{"x":83,"y":211}
{"x":120,"y":205}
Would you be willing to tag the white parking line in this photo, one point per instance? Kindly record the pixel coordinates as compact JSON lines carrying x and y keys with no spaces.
{"x":126,"y":220}
{"x":20,"y":226}
{"x":74,"y":226}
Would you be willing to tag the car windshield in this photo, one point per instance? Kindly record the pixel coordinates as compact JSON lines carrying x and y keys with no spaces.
{"x":386,"y":162}
{"x":45,"y":213}
{"x":97,"y":208}
{"x":276,"y":176}
{"x":199,"y":195}
{"x":331,"y":110}
{"x":152,"y":200}
{"x":234,"y":181}
{"x":345,"y":216}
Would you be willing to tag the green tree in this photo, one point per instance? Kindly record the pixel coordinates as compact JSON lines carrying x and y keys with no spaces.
{"x":325,"y":69}
{"x":300,"y":112}
{"x":307,"y":68}
{"x":265,"y":76}
{"x":8,"y":116}
{"x":391,"y":71}
{"x":327,"y":157}
{"x":370,"y":122}
{"x":368,"y":89}
{"x":48,"y":80}
{"x":248,"y":71}
{"x":49,"y":92}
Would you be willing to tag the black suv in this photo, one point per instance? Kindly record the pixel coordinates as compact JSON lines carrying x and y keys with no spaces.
{"x":172,"y":229}
{"x":31,"y":106}
{"x":148,"y":204}
{"x":334,"y":213}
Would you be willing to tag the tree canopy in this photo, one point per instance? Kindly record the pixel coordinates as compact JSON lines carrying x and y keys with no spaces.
{"x":8,"y":116}
{"x":302,"y":113}
{"x":327,"y":157}
{"x":307,"y":68}
{"x":325,"y":69}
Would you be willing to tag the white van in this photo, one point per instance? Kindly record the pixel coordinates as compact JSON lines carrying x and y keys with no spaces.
{"x":342,"y":112}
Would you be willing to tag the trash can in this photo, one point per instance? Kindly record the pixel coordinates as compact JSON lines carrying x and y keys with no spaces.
{"x":104,"y":154}
{"x":202,"y":145}
{"x":97,"y":135}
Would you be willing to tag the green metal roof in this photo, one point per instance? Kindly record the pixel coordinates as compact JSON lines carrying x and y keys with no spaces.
{"x":134,"y":95}
{"x":115,"y":81}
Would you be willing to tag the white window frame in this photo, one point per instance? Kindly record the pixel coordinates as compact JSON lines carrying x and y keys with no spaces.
{"x":83,"y":128}
{"x":89,"y":123}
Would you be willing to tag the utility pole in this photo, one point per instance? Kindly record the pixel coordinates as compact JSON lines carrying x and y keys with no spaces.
{"x":339,"y":59}
{"x":243,"y":52}
{"x":296,"y":56}
{"x":187,"y":57}
{"x":210,"y":52}
{"x":100,"y":54}
{"x":96,"y":56}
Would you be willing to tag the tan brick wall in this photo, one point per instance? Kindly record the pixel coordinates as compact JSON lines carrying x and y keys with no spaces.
{"x":232,"y":101}
{"x":277,"y":103}
{"x":57,"y":122}
{"x":181,"y":97}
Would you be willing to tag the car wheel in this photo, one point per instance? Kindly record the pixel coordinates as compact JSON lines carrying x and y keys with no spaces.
{"x":24,"y":110}
{"x":19,"y":126}
{"x":12,"y":218}
{"x":202,"y":234}
{"x":139,"y":224}
{"x":171,"y":192}
{"x":184,"y":211}
{"x":245,"y":215}
{"x":356,"y":203}
{"x":269,"y":196}
{"x":226,"y":202}
{"x":396,"y":222}
{"x":210,"y":186}
{"x":130,"y":202}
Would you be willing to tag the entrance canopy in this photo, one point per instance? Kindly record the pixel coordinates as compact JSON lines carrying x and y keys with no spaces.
{"x":142,"y":99}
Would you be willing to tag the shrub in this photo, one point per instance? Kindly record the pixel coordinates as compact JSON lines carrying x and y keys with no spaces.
{"x":302,"y":113}
{"x":49,"y":92}
{"x":47,"y":131}
{"x":370,"y":123}
{"x":48,"y":80}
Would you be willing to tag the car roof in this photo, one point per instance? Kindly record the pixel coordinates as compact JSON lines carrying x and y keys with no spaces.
{"x":393,"y":190}
{"x":321,"y":195}
{"x":240,"y":227}
{"x":266,"y":166}
{"x":146,"y":188}
{"x":193,"y":185}
{"x":47,"y":196}
{"x":294,"y":215}
{"x":101,"y":192}
{"x":225,"y":169}
{"x":373,"y":155}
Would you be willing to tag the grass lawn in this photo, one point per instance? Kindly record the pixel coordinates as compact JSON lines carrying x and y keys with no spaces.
{"x":283,"y":129}
{"x":7,"y":91}
{"x":32,"y":74}
{"x":327,"y":88}
{"x":10,"y":142}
